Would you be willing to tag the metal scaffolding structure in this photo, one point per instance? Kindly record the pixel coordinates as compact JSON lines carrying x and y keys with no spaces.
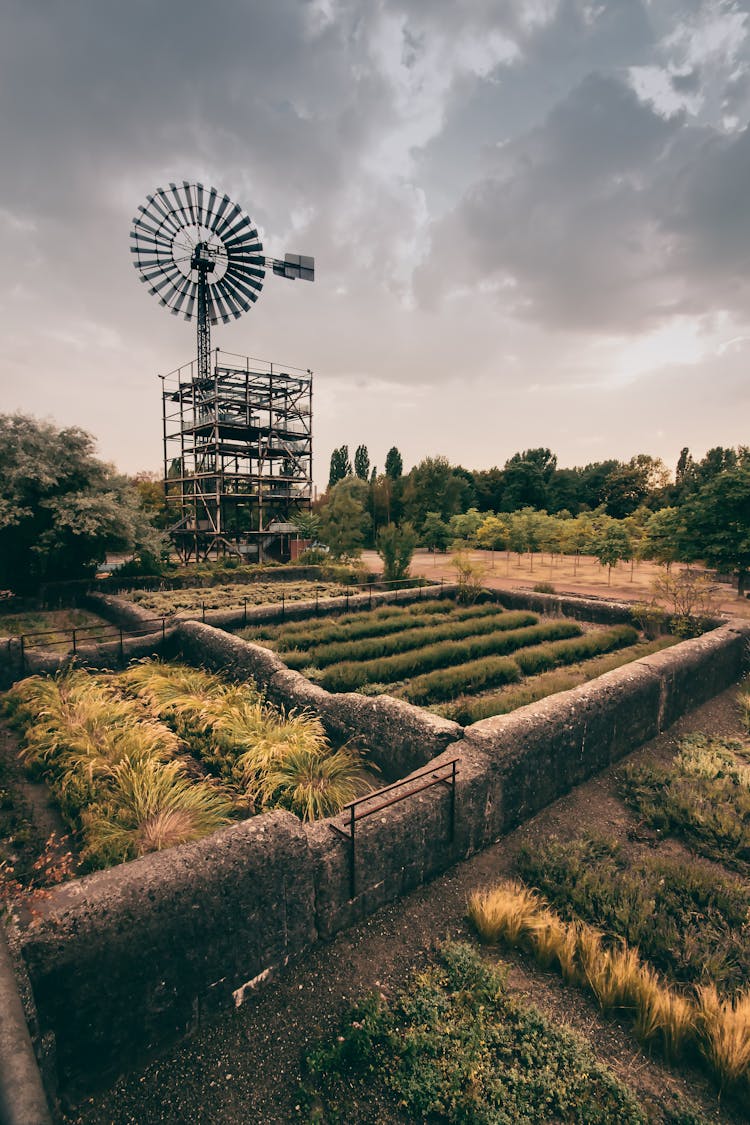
{"x":237,"y":457}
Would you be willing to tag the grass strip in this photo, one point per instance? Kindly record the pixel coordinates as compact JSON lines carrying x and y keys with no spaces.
{"x":367,"y":627}
{"x":466,"y":711}
{"x":455,"y":1046}
{"x":689,"y":923}
{"x":703,"y":796}
{"x":352,"y":674}
{"x":719,"y":1029}
{"x":373,"y":648}
{"x":304,"y":634}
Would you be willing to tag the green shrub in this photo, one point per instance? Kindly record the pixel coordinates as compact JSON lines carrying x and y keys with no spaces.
{"x":350,"y":674}
{"x":466,"y":711}
{"x":363,"y":623}
{"x":702,"y":796}
{"x":543,"y":657}
{"x":690,"y":924}
{"x":373,"y":648}
{"x":447,"y":683}
{"x":457,"y":1047}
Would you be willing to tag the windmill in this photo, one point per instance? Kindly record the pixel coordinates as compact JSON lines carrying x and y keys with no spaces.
{"x":237,"y":438}
{"x":200,"y":254}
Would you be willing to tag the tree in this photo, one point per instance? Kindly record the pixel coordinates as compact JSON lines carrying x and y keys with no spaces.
{"x":470,"y":577}
{"x":717,"y":524}
{"x":61,"y":509}
{"x":492,"y":534}
{"x":526,"y":477}
{"x":434,"y":485}
{"x":436,"y":535}
{"x":489,"y":487}
{"x":464,"y":525}
{"x":362,"y":462}
{"x":665,"y":536}
{"x":394,"y":465}
{"x":340,"y":467}
{"x":344,"y":521}
{"x":612,"y":545}
{"x":307,"y":524}
{"x":395,"y":545}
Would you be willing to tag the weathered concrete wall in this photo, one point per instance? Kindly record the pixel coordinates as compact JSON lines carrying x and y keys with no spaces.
{"x":126,"y":960}
{"x":598,"y":610}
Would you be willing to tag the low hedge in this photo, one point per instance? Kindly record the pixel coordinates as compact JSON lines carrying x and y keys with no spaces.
{"x":373,"y":648}
{"x":478,"y":675}
{"x":446,"y":683}
{"x":350,"y":675}
{"x":305,"y":634}
{"x":544,"y":657}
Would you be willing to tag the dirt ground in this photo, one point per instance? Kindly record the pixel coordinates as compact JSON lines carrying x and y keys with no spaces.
{"x":585,"y":577}
{"x":246,"y":1066}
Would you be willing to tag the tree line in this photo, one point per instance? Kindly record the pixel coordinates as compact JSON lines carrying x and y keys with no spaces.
{"x":612,"y":509}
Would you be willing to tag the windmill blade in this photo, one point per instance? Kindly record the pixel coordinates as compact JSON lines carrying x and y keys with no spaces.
{"x":249,"y":287}
{"x":251,"y":265}
{"x":211,"y":308}
{"x":187,"y":189}
{"x":241,"y":230}
{"x":160,"y":203}
{"x":229,"y":296}
{"x":198,"y":190}
{"x":213,"y":193}
{"x":220,"y":303}
{"x":223,"y":230}
{"x":221,"y":209}
{"x":147,"y":225}
{"x":181,"y":211}
{"x":182,"y":293}
{"x":191,"y":301}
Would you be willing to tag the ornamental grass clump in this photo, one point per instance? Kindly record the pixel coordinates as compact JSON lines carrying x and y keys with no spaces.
{"x":313,"y":785}
{"x":148,"y":806}
{"x":718,"y":1027}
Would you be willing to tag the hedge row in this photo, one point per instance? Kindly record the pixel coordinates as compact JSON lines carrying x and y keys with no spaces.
{"x":580,"y":648}
{"x":350,"y":675}
{"x":478,"y":675}
{"x":373,"y":648}
{"x":301,"y":640}
{"x":302,"y":634}
{"x":475,"y":676}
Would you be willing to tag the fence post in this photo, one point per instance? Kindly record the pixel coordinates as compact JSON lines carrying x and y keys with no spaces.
{"x":163,"y":628}
{"x":74,"y":642}
{"x":352,"y":858}
{"x":203,"y":612}
{"x":122,"y":650}
{"x":347,"y":601}
{"x":370,"y":602}
{"x":316,"y":603}
{"x":244,"y":611}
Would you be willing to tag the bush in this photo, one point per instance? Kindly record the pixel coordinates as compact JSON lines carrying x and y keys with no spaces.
{"x":373,"y":648}
{"x":475,"y":676}
{"x":543,"y":657}
{"x":703,"y":796}
{"x":691,"y":925}
{"x":350,"y":674}
{"x":457,"y":1047}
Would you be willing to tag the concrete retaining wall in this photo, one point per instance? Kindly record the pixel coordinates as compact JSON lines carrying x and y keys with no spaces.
{"x":124,"y":961}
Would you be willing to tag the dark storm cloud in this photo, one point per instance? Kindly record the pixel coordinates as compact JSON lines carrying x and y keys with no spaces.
{"x":608,"y":216}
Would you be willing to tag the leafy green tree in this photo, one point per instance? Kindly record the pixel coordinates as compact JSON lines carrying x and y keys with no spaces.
{"x":464,"y":525}
{"x":664,"y":541}
{"x":362,"y":462}
{"x":61,"y":509}
{"x":434,"y":485}
{"x":492,"y":534}
{"x":527,"y":475}
{"x":307,"y":524}
{"x":612,"y":545}
{"x":436,"y":535}
{"x":395,"y":545}
{"x":717,"y":524}
{"x":394,"y":465}
{"x":340,"y":467}
{"x":489,"y":487}
{"x":344,"y":520}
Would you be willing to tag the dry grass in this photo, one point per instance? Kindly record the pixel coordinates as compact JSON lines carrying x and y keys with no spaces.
{"x":619,"y":979}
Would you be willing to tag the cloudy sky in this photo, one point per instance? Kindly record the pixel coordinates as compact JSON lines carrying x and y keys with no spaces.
{"x":530,"y":218}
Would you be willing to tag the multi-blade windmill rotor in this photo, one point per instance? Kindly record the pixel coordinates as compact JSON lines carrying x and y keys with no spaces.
{"x":200,"y":254}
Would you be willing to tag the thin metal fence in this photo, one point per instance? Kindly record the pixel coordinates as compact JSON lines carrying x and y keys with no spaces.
{"x":428,"y":777}
{"x":73,"y":639}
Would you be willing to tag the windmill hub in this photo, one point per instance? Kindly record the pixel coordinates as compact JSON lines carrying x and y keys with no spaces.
{"x":203,"y":260}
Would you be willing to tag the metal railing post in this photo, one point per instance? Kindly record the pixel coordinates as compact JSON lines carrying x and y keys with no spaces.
{"x":74,"y":643}
{"x":352,"y":858}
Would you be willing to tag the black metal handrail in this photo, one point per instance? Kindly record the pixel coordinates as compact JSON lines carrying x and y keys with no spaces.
{"x":429,"y":776}
{"x":71,"y":638}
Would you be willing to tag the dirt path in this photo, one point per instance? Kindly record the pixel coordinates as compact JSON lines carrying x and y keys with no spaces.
{"x":245,"y":1067}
